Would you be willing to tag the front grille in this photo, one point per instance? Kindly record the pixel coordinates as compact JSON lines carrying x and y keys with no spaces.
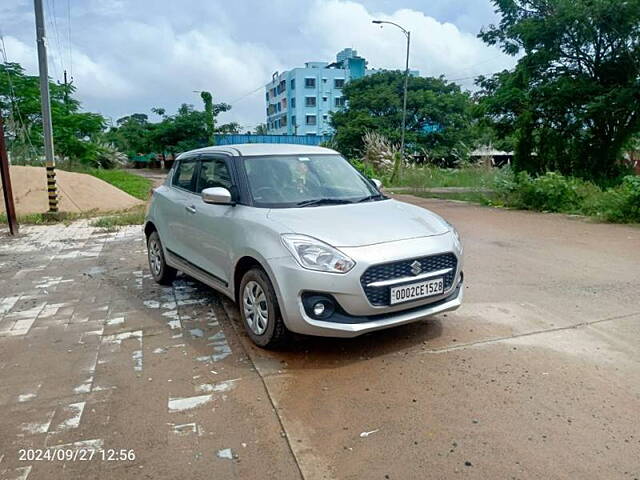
{"x":387,"y":271}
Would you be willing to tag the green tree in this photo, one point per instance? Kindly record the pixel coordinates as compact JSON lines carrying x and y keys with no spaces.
{"x":261,"y":129}
{"x":572,"y":102}
{"x":438,"y":115}
{"x":75,"y":133}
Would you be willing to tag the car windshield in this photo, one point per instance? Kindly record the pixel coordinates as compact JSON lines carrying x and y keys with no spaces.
{"x":303,"y":181}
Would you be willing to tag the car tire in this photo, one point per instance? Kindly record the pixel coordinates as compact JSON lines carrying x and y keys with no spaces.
{"x":161,"y":272}
{"x":259,"y":310}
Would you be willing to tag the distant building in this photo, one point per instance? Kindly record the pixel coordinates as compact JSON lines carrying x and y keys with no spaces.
{"x":300,"y":101}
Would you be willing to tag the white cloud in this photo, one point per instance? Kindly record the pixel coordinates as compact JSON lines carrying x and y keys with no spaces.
{"x":436,"y":48}
{"x":132,"y":56}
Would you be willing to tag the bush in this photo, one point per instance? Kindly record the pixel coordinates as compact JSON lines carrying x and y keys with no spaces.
{"x":364,"y":169}
{"x":550,"y":192}
{"x":620,"y":204}
{"x":553,"y":192}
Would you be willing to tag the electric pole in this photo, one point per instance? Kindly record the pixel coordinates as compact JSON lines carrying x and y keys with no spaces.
{"x":10,"y":208}
{"x":47,"y":128}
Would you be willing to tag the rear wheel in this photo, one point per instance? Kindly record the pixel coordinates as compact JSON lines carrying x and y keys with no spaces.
{"x":259,"y":310}
{"x":161,"y":272}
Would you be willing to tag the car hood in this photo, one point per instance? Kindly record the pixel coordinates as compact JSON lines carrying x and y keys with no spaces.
{"x":354,"y":225}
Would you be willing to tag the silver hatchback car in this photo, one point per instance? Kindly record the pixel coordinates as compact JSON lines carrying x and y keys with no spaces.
{"x":301,"y":241}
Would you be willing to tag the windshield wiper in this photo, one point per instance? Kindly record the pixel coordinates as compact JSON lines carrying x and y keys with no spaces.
{"x":375,"y":196}
{"x":322,"y":201}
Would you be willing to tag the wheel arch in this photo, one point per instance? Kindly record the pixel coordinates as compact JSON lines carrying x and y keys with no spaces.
{"x":245,"y":263}
{"x":149,"y":228}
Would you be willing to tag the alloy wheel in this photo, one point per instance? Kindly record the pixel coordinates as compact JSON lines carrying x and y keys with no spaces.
{"x":255,"y":307}
{"x":155,"y":257}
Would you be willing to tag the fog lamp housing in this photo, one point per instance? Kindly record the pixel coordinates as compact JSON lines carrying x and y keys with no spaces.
{"x":318,"y":306}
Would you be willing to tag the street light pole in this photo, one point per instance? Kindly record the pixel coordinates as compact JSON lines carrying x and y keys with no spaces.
{"x":407,"y":34}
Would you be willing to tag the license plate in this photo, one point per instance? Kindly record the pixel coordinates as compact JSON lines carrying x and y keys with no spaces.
{"x":414,"y":291}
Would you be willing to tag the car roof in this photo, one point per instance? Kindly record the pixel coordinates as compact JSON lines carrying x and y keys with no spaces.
{"x":259,"y":149}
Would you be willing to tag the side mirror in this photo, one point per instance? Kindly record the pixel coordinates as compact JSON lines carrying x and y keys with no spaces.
{"x":377,"y":183}
{"x":217,"y":195}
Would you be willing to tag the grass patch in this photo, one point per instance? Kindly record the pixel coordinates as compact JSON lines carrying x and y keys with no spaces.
{"x":112,"y":222}
{"x":47,"y":218}
{"x":483,"y":198}
{"x":433,"y":177}
{"x":134,"y":185}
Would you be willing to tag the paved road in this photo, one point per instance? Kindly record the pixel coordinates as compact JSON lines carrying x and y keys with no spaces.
{"x":537,"y":376}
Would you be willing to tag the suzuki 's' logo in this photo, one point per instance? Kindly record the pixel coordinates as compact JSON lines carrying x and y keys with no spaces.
{"x":416,"y":267}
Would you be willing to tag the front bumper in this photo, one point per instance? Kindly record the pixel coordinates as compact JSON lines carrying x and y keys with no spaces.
{"x":360,"y":316}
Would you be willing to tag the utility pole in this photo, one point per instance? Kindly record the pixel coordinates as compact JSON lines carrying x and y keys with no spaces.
{"x":47,"y":128}
{"x":6,"y":184}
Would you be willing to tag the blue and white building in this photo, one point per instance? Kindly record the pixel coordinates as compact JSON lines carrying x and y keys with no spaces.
{"x":300,"y":101}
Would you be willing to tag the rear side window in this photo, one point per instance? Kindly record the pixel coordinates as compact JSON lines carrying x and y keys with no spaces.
{"x":185,"y":176}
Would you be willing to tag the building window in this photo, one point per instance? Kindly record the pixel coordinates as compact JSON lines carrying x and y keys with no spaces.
{"x":339,"y":101}
{"x":338,"y":83}
{"x":324,"y":80}
{"x":293,"y":84}
{"x":267,"y":96}
{"x":293,"y":120}
{"x":284,"y":103}
{"x":324,"y":99}
{"x":311,"y":119}
{"x":310,"y":83}
{"x":293,"y":102}
{"x":283,"y":121}
{"x":324,"y":117}
{"x":309,"y":101}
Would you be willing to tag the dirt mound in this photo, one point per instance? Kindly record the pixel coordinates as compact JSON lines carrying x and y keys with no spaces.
{"x":77,"y":192}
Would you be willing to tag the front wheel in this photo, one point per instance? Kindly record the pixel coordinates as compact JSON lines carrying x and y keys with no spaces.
{"x":161,"y":272}
{"x":260,"y":311}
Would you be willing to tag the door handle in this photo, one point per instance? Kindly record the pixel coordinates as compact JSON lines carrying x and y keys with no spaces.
{"x":191,"y":209}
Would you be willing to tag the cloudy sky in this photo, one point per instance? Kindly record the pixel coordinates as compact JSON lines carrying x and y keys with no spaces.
{"x":131,"y":55}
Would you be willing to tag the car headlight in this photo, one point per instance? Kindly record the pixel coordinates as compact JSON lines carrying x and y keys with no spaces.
{"x":314,"y":254}
{"x":456,"y":235}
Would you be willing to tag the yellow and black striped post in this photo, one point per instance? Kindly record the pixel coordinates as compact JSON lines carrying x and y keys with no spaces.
{"x":52,"y":188}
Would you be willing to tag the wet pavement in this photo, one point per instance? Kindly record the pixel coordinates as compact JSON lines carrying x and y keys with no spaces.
{"x":536,"y":376}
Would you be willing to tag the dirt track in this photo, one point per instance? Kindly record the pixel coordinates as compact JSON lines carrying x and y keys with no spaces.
{"x":78,"y":192}
{"x":537,"y":376}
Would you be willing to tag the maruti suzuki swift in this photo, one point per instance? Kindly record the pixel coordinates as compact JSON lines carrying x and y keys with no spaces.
{"x":301,"y":241}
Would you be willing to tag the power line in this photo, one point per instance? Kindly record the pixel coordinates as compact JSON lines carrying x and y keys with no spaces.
{"x":246,"y":95}
{"x":53,"y":24}
{"x":14,"y":103}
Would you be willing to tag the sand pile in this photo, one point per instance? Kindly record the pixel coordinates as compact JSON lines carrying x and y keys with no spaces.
{"x":77,"y":192}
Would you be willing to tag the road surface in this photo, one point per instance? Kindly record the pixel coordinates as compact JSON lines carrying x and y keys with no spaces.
{"x":536,"y":376}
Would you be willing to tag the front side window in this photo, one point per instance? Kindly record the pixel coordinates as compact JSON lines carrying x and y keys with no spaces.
{"x":338,"y":83}
{"x":310,"y":82}
{"x":185,"y":177}
{"x":293,"y":181}
{"x":311,"y":119}
{"x":310,"y":101}
{"x":213,"y":173}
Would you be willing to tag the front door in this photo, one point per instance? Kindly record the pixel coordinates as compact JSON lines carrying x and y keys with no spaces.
{"x":211,"y":227}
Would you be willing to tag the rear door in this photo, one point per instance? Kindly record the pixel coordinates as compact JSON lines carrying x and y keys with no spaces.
{"x":212,"y":227}
{"x":179,"y":207}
